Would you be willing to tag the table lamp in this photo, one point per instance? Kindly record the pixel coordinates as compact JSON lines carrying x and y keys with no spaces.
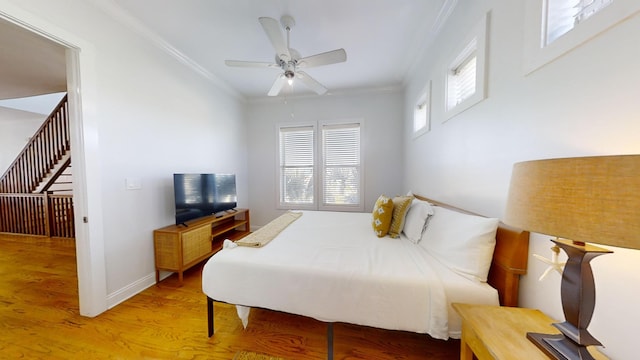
{"x":585,"y":199}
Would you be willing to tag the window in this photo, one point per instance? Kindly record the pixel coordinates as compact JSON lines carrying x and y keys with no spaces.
{"x":341,"y":165}
{"x":465,"y":78}
{"x":461,"y":80}
{"x":564,"y":15}
{"x":339,"y":183}
{"x":297,"y":166}
{"x":421,"y":112}
{"x":555,"y":27}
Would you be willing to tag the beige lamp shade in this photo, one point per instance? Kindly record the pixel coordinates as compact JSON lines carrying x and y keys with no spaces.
{"x":586,"y":199}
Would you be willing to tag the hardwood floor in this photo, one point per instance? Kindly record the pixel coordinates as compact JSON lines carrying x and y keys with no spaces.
{"x":39,"y":320}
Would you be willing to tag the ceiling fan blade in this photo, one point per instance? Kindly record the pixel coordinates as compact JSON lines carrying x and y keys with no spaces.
{"x":329,"y":57}
{"x":250,"y":64}
{"x":277,"y":85}
{"x":272,"y":29}
{"x":311,"y":83}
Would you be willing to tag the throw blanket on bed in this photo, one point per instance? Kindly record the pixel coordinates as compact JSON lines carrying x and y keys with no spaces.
{"x":268,"y":232}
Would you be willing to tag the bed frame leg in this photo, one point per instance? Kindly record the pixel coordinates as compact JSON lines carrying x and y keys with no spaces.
{"x":330,"y":341}
{"x":210,"y":316}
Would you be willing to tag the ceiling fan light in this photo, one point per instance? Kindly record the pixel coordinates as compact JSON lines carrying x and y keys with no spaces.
{"x":289,"y":59}
{"x":289,"y":74}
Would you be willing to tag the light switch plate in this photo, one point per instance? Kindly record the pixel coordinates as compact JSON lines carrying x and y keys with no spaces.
{"x":133,"y":183}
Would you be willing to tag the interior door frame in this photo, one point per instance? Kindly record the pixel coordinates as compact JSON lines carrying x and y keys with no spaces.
{"x":81,"y":92}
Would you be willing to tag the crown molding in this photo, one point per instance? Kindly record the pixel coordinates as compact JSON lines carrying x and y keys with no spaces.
{"x":424,"y":44}
{"x":122,"y":16}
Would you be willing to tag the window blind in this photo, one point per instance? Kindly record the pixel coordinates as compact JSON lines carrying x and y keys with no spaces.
{"x":564,"y":15}
{"x":462,"y":81}
{"x":420,"y":114}
{"x":341,"y":164}
{"x":297,"y":165}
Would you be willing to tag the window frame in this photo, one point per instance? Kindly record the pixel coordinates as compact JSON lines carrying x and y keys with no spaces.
{"x":474,"y":43}
{"x":537,"y":53}
{"x":318,"y":168}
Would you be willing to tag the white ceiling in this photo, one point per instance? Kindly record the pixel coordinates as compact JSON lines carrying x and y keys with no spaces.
{"x":382,"y":39}
{"x":30,"y":64}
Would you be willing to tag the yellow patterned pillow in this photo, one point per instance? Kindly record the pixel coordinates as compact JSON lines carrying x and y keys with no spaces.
{"x":401,"y":205}
{"x":382,"y":213}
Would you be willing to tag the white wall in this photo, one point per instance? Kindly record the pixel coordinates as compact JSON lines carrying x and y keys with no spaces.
{"x":173,"y":122}
{"x":153,"y":116}
{"x":381,"y":142}
{"x":583,"y":103}
{"x":16,"y":128}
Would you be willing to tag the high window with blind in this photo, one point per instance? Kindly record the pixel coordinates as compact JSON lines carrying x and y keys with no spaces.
{"x":422,"y":112}
{"x":555,"y":27}
{"x":563,"y":15}
{"x":320,"y":167}
{"x":461,"y":80}
{"x":465,"y":78}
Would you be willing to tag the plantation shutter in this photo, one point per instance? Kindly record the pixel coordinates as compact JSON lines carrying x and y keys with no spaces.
{"x":296,"y":165}
{"x":341,"y":164}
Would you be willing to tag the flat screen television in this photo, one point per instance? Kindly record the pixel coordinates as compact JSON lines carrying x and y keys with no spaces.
{"x":199,"y":195}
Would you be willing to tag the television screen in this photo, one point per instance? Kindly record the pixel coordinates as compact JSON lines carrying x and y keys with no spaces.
{"x":199,"y":195}
{"x":194,"y":196}
{"x":225,"y":192}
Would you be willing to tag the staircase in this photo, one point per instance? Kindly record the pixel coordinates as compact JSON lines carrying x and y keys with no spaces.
{"x":36,"y":190}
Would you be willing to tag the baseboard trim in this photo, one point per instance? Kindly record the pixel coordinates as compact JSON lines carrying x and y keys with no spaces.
{"x":130,"y":290}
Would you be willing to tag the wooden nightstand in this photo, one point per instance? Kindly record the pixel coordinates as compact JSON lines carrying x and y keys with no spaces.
{"x":497,"y":332}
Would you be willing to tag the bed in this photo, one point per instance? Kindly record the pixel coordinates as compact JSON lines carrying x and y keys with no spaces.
{"x":331,"y":266}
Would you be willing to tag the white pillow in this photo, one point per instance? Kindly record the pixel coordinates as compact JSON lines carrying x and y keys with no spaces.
{"x":416,"y":220}
{"x":463,"y":242}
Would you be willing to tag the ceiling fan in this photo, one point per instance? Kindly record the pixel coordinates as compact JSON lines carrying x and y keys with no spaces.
{"x":289,"y":59}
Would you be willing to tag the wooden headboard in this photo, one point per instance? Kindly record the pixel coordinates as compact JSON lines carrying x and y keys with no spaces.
{"x":509,"y":258}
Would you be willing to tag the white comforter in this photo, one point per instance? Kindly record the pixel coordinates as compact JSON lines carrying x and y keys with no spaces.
{"x":332,"y":267}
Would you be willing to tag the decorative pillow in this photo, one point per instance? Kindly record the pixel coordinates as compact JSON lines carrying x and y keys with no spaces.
{"x":417,"y":219}
{"x":382,"y":213}
{"x":461,"y":241}
{"x":401,"y":205}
